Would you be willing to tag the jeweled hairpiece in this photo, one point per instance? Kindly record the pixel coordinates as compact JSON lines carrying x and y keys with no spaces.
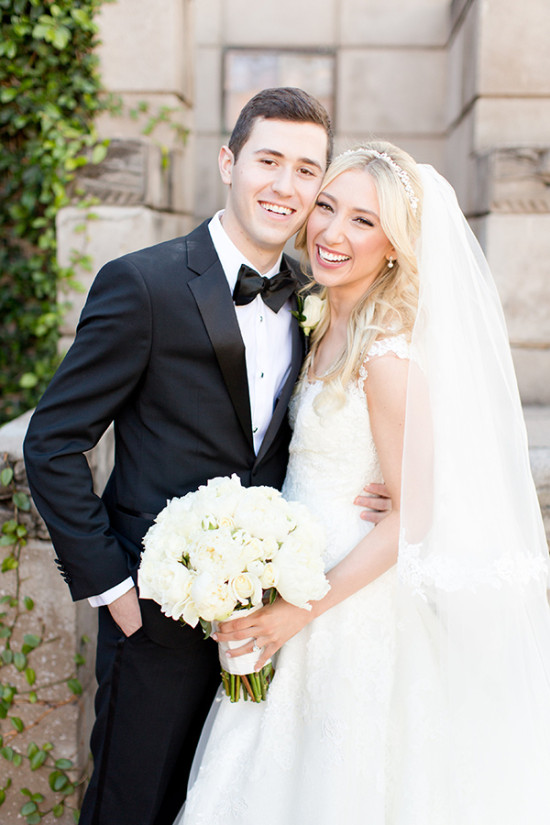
{"x":401,"y":174}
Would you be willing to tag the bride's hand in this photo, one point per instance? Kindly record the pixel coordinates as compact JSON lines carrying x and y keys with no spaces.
{"x":376,"y":501}
{"x":268,"y":628}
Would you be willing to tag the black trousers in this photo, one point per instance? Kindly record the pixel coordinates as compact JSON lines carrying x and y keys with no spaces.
{"x":151,"y":704}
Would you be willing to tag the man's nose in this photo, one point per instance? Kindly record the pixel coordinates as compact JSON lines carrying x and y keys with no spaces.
{"x":283,"y":181}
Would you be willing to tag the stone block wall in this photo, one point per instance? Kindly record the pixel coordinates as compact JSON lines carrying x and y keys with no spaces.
{"x":390,"y":71}
{"x":498,"y":158}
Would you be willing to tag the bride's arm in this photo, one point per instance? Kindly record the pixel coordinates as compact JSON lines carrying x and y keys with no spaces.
{"x":273,"y":625}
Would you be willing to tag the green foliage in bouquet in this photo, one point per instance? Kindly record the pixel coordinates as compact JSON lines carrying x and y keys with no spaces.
{"x":26,"y":697}
{"x":49,"y":96}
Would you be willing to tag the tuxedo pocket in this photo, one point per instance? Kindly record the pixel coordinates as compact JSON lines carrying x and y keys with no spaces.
{"x":136,"y":635}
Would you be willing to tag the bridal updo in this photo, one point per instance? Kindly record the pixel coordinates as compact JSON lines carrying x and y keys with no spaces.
{"x":389,"y":306}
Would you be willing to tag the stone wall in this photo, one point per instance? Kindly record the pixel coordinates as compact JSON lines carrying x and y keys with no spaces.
{"x":390,"y":71}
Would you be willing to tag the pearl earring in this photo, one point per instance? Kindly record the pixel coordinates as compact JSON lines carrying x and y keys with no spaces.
{"x":390,"y":263}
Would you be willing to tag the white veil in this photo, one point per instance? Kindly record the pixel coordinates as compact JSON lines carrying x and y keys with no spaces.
{"x":472,"y":696}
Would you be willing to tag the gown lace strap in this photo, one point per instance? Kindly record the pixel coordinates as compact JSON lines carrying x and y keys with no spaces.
{"x":396,"y":344}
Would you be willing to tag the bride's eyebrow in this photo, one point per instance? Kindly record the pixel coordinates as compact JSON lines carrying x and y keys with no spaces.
{"x":362,"y":210}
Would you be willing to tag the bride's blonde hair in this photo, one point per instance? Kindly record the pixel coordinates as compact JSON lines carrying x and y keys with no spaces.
{"x":389,"y":305}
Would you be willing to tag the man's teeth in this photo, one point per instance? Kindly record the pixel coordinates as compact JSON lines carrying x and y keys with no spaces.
{"x":331,"y":257}
{"x":280,"y":210}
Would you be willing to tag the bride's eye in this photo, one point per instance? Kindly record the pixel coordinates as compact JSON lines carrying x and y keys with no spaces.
{"x":324,"y":205}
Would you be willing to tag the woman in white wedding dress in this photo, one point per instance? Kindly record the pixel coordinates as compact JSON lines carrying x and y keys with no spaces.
{"x":416,"y":692}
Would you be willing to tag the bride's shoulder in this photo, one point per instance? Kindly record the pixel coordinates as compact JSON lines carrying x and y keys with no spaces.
{"x":396,"y":344}
{"x":390,"y":343}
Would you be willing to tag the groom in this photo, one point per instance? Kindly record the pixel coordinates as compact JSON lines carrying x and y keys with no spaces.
{"x":196,"y":388}
{"x":195,"y":367}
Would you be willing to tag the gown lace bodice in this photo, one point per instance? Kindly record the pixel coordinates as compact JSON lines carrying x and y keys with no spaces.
{"x":331,"y":459}
{"x":333,"y":456}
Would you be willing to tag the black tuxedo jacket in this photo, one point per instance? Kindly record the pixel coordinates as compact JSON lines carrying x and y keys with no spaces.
{"x":158,"y":351}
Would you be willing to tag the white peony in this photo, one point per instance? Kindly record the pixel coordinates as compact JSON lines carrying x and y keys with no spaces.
{"x":213,"y":598}
{"x":263,"y":512}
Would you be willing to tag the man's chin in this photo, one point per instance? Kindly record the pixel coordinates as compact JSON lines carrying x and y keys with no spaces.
{"x":277,"y":237}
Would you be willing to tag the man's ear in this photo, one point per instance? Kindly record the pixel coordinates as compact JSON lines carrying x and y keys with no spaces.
{"x":226,"y":161}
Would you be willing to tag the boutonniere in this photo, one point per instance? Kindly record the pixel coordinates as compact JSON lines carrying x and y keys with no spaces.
{"x":309,"y":312}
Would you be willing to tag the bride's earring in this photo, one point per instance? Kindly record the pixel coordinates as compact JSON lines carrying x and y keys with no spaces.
{"x":390,"y":263}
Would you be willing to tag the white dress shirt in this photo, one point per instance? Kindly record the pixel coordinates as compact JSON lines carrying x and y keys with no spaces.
{"x":268,"y":352}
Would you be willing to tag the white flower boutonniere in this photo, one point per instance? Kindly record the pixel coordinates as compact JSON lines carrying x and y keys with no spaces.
{"x":309,"y":312}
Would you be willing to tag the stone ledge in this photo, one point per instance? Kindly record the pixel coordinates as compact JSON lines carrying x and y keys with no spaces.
{"x":517,"y":180}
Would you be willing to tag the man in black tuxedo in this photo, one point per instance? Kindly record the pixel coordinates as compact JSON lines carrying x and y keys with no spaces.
{"x":197,"y":387}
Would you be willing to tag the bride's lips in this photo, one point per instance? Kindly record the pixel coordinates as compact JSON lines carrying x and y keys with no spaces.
{"x":329,"y":257}
{"x":277,"y":209}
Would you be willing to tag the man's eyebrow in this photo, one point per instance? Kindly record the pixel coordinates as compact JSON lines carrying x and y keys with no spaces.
{"x":307,"y":161}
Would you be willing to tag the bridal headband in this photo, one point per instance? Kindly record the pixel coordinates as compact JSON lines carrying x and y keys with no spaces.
{"x":401,"y":174}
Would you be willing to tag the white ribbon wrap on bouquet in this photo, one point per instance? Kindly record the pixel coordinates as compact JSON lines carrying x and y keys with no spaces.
{"x":240,"y":665}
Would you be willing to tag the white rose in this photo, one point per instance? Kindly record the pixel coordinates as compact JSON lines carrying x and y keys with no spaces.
{"x":269,"y":576}
{"x":311,"y":312}
{"x":246,"y":588}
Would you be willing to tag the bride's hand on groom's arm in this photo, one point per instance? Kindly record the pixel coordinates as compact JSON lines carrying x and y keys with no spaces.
{"x":375,"y":501}
{"x":269,"y":628}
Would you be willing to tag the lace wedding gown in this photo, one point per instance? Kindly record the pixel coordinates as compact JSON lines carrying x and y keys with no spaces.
{"x":316,"y":752}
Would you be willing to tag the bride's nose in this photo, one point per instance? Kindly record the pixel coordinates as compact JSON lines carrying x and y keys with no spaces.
{"x":334,"y":231}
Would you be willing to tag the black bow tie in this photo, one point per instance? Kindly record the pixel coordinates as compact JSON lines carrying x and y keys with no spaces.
{"x":274,"y":291}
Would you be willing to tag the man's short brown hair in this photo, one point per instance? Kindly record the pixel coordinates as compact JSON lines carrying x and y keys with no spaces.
{"x":282,"y":103}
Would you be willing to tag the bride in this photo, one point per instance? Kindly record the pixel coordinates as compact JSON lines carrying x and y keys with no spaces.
{"x":417,"y":691}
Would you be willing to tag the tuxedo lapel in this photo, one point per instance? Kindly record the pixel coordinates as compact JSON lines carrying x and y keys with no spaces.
{"x":281,"y":403}
{"x":213,"y":297}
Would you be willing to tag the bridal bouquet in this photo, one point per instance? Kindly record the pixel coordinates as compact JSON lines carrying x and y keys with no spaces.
{"x":227,"y":548}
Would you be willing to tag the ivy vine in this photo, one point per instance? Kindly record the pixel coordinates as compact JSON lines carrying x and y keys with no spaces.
{"x":50,"y":93}
{"x":27,"y":699}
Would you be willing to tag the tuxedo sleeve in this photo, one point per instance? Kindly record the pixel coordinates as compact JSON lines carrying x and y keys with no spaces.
{"x":100,"y":371}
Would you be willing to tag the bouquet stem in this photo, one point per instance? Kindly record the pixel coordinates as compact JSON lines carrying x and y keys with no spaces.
{"x":255,"y":684}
